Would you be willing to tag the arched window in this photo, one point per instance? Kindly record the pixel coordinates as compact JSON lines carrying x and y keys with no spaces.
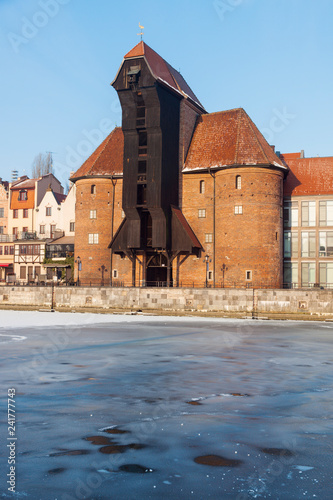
{"x":238,"y":182}
{"x":93,"y":189}
{"x":202,"y":187}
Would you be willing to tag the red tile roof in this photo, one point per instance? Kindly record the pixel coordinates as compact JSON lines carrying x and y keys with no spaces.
{"x":162,"y":70}
{"x":59,"y":197}
{"x":24,"y":184}
{"x":107,"y":159}
{"x":308,"y":176}
{"x":228,"y":138}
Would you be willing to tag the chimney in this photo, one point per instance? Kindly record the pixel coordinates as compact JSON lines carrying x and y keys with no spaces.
{"x":302,"y":154}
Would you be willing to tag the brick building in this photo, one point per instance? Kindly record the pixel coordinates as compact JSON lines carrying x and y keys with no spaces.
{"x":180,"y":196}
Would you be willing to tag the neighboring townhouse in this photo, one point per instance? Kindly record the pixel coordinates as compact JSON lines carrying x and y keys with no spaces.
{"x":6,"y":246}
{"x":308,"y":221}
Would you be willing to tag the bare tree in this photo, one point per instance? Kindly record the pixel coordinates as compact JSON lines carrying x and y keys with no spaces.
{"x":42,"y":165}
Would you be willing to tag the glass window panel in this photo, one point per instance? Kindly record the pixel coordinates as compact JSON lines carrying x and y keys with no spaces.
{"x":287,"y":273}
{"x":305,"y":213}
{"x":294,"y":214}
{"x":305,"y":244}
{"x":294,"y":244}
{"x":329,"y":243}
{"x":312,"y":244}
{"x":322,"y":274}
{"x":322,"y":244}
{"x":322,"y":213}
{"x":312,"y":213}
{"x":287,"y":244}
{"x":305,"y":274}
{"x":294,"y":273}
{"x":329,"y":206}
{"x":312,"y":272}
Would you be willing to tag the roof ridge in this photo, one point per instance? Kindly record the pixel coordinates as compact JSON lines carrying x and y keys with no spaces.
{"x":224,"y":111}
{"x":256,"y":138}
{"x":106,"y":141}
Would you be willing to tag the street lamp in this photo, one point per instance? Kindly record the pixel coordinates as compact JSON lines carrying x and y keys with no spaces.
{"x":79,"y":268}
{"x":103,"y":270}
{"x":223,"y":269}
{"x":207,"y":260}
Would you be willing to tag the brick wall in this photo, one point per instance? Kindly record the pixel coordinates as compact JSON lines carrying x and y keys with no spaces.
{"x":248,"y":241}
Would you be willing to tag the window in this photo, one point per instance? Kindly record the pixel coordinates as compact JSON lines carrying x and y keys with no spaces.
{"x":71,"y":227}
{"x":202,"y":187}
{"x":202,"y":212}
{"x":25,"y":213}
{"x":42,"y":229}
{"x":2,"y":212}
{"x":238,"y":209}
{"x":326,"y":213}
{"x":93,"y":238}
{"x":6,"y":248}
{"x":290,"y":244}
{"x":1,"y":229}
{"x":210,"y":275}
{"x":115,"y":273}
{"x":142,"y":143}
{"x":11,"y":250}
{"x":48,"y":211}
{"x":141,"y":194}
{"x":15,"y":213}
{"x":291,"y":214}
{"x":93,"y":214}
{"x":308,"y":213}
{"x":140,"y":111}
{"x":248,"y":275}
{"x":53,"y":228}
{"x":209,"y":238}
{"x":122,"y":214}
{"x":23,"y":195}
{"x":238,"y":182}
{"x":25,"y":229}
{"x":93,"y":189}
{"x":326,"y":274}
{"x":308,"y":273}
{"x":290,"y":274}
{"x":325,"y":243}
{"x":308,"y":244}
{"x":15,"y":231}
{"x":23,"y":250}
{"x":1,"y":250}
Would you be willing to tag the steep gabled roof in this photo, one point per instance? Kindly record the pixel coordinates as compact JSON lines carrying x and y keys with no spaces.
{"x":25,"y":183}
{"x":59,"y":197}
{"x":308,"y":176}
{"x":228,"y":138}
{"x":162,"y":71}
{"x":107,"y":159}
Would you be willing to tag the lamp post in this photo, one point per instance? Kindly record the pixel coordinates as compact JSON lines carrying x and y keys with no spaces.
{"x":223,"y":269}
{"x":103,"y":270}
{"x":207,"y":260}
{"x":79,"y":268}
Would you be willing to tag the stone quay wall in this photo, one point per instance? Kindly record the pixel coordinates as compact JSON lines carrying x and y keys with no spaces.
{"x":173,"y":300}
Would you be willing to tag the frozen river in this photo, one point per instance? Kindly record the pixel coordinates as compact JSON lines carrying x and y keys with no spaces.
{"x":144,"y":407}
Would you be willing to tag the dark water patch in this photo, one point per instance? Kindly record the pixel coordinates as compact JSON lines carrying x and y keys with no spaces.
{"x":135,"y":468}
{"x":194,"y":403}
{"x":217,"y":461}
{"x":305,"y":366}
{"x":98,"y":440}
{"x":115,"y":430}
{"x":59,"y":470}
{"x":238,"y":394}
{"x":277,"y":452}
{"x":70,"y":453}
{"x":120,"y":448}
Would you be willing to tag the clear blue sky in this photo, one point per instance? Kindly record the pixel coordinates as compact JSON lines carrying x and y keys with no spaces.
{"x":274,"y":58}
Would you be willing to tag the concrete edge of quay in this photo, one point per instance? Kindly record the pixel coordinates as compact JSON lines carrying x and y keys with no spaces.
{"x":279,"y":304}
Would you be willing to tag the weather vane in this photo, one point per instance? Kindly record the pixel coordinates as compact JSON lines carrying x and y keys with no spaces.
{"x":141,"y":32}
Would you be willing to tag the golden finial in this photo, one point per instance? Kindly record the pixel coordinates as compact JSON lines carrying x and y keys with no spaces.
{"x":141,"y":32}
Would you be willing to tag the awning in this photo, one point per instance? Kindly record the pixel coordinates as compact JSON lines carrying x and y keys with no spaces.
{"x":5,"y":265}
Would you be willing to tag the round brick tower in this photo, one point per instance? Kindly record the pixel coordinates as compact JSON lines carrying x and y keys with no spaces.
{"x":238,"y":215}
{"x":98,"y":212}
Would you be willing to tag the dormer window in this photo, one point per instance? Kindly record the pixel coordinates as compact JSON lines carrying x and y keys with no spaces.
{"x":133,"y":75}
{"x":23,"y":195}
